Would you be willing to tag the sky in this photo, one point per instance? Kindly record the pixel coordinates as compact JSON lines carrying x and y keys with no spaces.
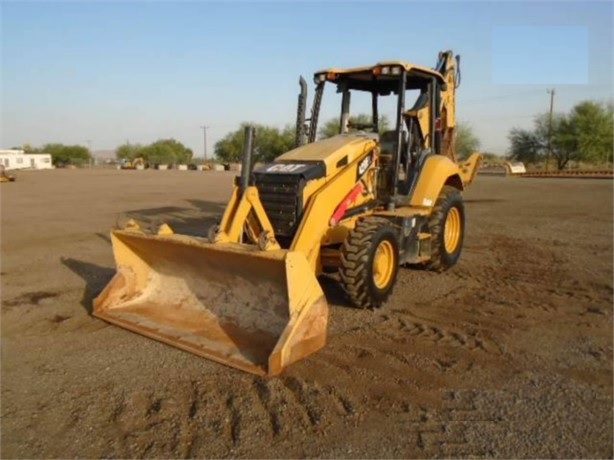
{"x":106,"y":72}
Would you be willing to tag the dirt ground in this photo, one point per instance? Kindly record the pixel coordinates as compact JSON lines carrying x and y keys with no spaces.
{"x":509,"y":354}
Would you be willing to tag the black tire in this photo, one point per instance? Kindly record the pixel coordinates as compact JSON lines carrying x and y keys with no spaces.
{"x":442,"y":257}
{"x":366,"y":287}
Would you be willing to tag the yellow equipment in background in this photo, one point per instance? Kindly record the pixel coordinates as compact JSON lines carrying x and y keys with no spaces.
{"x":360,"y":204}
{"x":136,"y":163}
{"x":4,"y":177}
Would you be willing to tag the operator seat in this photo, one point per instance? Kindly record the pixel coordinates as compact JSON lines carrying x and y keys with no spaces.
{"x":387,"y":140}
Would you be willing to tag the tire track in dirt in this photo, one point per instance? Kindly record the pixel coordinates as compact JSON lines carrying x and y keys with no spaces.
{"x":258,"y":410}
{"x":250,"y":415}
{"x":405,"y":327}
{"x":382,"y":366}
{"x":291,"y":399}
{"x":30,"y":298}
{"x":515,"y":273}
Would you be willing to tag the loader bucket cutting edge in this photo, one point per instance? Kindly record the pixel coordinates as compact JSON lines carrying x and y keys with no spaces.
{"x":258,"y":311}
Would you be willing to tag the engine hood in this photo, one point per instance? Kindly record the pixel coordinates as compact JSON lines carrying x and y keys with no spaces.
{"x":332,"y":153}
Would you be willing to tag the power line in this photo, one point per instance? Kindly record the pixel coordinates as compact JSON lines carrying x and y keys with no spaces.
{"x":503,"y":96}
{"x":510,"y":117}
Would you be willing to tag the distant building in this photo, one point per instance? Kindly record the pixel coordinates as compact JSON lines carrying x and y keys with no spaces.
{"x":18,"y":159}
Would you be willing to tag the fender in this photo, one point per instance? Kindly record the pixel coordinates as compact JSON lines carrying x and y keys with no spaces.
{"x":437,"y":171}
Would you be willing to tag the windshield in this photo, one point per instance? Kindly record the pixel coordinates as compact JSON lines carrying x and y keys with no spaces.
{"x":361,"y":109}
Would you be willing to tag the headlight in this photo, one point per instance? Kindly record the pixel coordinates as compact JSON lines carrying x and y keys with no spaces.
{"x":385,"y":70}
{"x":396,"y":71}
{"x":319,"y":78}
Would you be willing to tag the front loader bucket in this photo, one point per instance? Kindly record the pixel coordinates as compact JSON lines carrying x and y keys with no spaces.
{"x":254,"y":310}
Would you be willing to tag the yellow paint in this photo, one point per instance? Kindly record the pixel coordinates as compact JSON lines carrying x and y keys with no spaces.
{"x":320,"y":207}
{"x":436,"y":172}
{"x":383,"y":264}
{"x":241,"y":211}
{"x":469,"y":168}
{"x":331,"y":151}
{"x":165,"y":229}
{"x":452,"y":230}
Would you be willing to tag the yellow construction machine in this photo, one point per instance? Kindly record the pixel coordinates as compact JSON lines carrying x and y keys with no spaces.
{"x":4,"y":177}
{"x":136,"y":163}
{"x":359,"y":204}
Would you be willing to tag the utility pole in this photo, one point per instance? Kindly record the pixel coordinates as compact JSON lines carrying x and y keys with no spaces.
{"x":205,"y":128}
{"x":551,"y":92}
{"x":89,"y":149}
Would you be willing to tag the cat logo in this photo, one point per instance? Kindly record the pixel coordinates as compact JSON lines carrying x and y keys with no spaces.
{"x":364,"y":165}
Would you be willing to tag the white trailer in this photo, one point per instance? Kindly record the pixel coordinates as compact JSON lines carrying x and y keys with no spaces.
{"x":18,"y":159}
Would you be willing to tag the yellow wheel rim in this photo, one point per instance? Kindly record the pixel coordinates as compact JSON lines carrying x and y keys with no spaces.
{"x":383,"y":264}
{"x":452,"y":230}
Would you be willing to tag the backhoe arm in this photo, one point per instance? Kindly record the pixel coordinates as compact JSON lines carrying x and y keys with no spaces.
{"x":449,"y":67}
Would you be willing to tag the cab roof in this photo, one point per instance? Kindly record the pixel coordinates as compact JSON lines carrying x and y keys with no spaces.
{"x":370,"y":78}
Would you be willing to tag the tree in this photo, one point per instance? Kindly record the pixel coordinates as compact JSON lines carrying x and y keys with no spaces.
{"x":585,"y":134}
{"x":230,"y":147}
{"x":67,"y":154}
{"x":572,"y":137}
{"x":128,"y":151}
{"x":526,"y":146}
{"x":166,"y":151}
{"x":590,"y":130}
{"x":563,"y":143}
{"x":466,"y":141}
{"x":331,"y":127}
{"x":548,"y":140}
{"x":27,"y":148}
{"x":269,"y":143}
{"x":492,"y":157}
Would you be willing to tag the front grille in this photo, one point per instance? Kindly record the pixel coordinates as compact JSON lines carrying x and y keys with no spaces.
{"x":282,"y":198}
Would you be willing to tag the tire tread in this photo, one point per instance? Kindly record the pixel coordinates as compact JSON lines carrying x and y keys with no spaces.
{"x":354,"y":262}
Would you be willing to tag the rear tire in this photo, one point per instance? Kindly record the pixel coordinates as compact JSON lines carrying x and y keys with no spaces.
{"x":447,"y":228}
{"x":369,"y":262}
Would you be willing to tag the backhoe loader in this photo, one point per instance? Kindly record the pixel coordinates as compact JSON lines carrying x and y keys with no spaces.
{"x":360,"y":204}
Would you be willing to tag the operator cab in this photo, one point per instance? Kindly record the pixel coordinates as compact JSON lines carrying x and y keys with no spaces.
{"x":417,"y":129}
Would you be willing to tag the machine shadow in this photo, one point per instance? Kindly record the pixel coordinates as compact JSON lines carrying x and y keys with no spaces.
{"x":95,"y":276}
{"x":333,"y":291}
{"x":103,"y":236}
{"x":193,"y":221}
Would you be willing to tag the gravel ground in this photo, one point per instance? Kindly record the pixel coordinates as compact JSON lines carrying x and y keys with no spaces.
{"x":509,"y":354}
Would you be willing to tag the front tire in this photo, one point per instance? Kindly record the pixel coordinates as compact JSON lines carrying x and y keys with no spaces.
{"x":369,"y":262}
{"x":447,"y":228}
